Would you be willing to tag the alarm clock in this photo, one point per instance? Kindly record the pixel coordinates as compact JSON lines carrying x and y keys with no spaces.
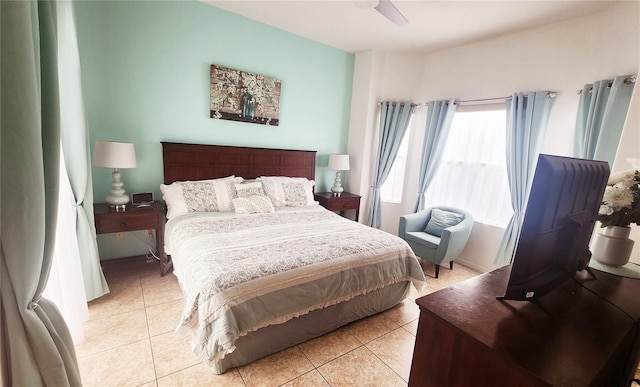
{"x":142,"y":199}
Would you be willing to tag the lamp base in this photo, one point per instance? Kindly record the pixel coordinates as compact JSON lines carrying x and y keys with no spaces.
{"x":118,"y":207}
{"x":337,"y":185}
{"x":117,"y":197}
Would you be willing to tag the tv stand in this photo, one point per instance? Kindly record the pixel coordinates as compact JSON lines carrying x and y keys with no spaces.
{"x":587,"y":334}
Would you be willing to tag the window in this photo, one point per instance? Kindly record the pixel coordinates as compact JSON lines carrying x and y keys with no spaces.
{"x":391,"y":189}
{"x":473,"y":172}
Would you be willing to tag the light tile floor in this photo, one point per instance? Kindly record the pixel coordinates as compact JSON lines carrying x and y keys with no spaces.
{"x":130,"y":340}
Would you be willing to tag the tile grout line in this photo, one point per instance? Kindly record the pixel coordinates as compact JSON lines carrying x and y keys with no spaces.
{"x":112,"y":348}
{"x":385,"y":363}
{"x":153,"y":359}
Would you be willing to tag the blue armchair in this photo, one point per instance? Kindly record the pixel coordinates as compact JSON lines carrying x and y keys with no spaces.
{"x":431,"y":247}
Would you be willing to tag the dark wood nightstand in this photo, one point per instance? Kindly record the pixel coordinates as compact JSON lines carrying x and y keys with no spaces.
{"x":346,"y":201}
{"x":134,"y":219}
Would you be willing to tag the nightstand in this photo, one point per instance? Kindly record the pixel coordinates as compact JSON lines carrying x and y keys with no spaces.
{"x":346,"y":201}
{"x":134,"y":219}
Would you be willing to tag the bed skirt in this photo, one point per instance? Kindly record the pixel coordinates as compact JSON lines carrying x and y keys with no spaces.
{"x":274,"y":338}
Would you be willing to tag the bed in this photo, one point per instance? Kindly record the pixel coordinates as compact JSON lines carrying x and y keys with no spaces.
{"x":257,"y":283}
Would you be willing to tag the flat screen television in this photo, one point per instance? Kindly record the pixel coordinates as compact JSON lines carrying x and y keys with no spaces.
{"x":564,"y":200}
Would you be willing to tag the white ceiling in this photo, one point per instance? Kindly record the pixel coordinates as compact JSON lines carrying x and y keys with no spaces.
{"x":353,"y":25}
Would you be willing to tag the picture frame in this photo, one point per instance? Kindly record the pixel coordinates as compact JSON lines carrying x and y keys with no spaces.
{"x":243,"y":96}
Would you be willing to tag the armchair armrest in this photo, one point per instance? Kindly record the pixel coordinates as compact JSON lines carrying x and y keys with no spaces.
{"x":413,"y":222}
{"x":455,"y":238}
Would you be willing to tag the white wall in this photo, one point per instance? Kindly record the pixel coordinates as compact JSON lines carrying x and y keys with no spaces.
{"x":560,"y":57}
{"x":629,"y":148}
{"x":377,"y":74}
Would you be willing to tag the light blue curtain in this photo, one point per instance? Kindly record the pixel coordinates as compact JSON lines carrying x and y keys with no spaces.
{"x":602,"y":110}
{"x":527,"y":120}
{"x":75,"y":145}
{"x":394,"y":121}
{"x":38,"y":349}
{"x":439,"y":118}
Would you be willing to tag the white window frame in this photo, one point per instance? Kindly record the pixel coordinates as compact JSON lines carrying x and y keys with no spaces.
{"x":473,"y":175}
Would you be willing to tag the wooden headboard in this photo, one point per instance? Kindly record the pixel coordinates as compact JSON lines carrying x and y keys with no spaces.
{"x":197,"y":162}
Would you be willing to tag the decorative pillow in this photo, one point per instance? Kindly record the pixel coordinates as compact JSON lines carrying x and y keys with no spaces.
{"x":182,"y":197}
{"x":255,"y":204}
{"x":273,"y":190}
{"x":296,"y":193}
{"x":440,"y":220}
{"x":253,"y":188}
{"x":200,"y":196}
{"x":288,"y":191}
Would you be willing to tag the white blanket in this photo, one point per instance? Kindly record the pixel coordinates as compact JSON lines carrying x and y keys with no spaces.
{"x":241,"y":273}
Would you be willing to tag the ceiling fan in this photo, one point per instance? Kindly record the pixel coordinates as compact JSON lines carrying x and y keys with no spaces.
{"x":388,"y":10}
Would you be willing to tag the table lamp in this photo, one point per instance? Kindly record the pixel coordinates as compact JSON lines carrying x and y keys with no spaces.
{"x":116,"y":155}
{"x":338,"y":163}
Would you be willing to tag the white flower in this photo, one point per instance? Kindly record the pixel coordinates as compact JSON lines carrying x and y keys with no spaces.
{"x":621,"y":201}
{"x":618,"y":197}
{"x":626,"y":177}
{"x":605,"y":210}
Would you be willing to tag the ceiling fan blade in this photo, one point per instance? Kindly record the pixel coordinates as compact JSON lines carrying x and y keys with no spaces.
{"x":388,"y":10}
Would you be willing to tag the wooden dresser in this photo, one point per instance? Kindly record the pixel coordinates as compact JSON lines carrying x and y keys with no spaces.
{"x":584,"y":333}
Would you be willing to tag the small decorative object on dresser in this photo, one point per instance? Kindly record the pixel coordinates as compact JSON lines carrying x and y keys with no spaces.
{"x":346,"y":201}
{"x":144,"y":218}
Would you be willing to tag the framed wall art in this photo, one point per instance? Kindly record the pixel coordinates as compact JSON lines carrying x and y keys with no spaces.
{"x":241,"y":96}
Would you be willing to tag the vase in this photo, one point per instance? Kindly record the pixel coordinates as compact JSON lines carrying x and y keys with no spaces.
{"x":247,"y":105}
{"x":612,"y":246}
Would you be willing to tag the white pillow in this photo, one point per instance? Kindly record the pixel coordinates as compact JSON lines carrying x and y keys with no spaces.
{"x":174,"y":200}
{"x":208,"y":196}
{"x":288,"y":191}
{"x":246,"y":189}
{"x":255,"y":204}
{"x":182,"y":197}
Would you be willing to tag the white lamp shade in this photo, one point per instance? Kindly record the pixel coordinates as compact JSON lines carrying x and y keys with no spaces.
{"x":339,"y":162}
{"x":111,"y":154}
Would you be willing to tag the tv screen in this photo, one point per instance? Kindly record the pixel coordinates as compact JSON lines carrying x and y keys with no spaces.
{"x":564,"y":200}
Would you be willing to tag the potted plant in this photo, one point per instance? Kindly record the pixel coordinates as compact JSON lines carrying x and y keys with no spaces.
{"x":620,"y":208}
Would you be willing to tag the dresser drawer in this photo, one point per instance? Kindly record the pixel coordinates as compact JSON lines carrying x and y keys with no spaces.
{"x":343,"y":204}
{"x":122,"y":221}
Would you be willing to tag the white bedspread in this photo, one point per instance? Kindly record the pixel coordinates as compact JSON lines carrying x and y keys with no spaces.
{"x":241,"y":273}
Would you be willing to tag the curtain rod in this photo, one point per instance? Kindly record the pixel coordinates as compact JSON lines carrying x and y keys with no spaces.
{"x":395,"y":103}
{"x":627,"y":81}
{"x":481,"y":101}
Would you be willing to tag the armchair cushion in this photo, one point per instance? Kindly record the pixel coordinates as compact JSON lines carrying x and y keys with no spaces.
{"x":423,"y":238}
{"x":440,"y":220}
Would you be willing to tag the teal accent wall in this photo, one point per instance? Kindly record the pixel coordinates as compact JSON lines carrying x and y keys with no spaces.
{"x":145,"y":71}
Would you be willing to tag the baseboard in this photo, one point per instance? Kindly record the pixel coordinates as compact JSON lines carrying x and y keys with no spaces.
{"x":121,"y":260}
{"x":474,"y":265}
